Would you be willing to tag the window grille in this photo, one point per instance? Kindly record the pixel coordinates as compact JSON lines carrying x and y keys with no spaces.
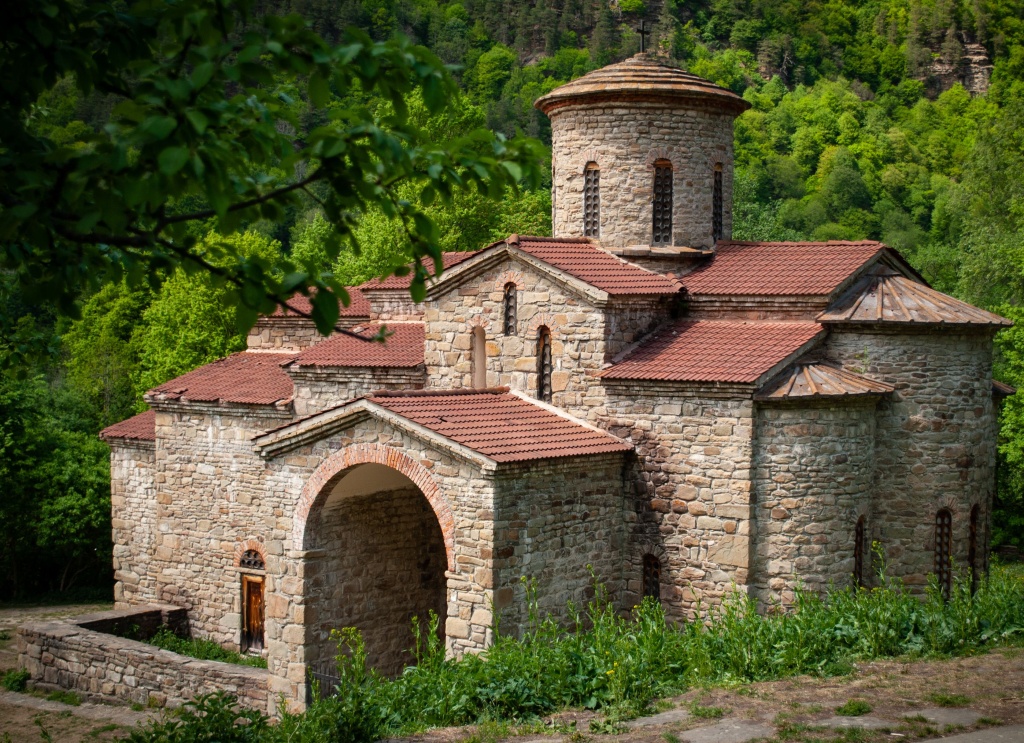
{"x":544,"y":365}
{"x":943,"y":550}
{"x":662,"y":203}
{"x":717,"y":224}
{"x":972,"y":548}
{"x":251,"y":560}
{"x":510,"y":308}
{"x":652,"y":577}
{"x":859,"y":576}
{"x":591,"y":201}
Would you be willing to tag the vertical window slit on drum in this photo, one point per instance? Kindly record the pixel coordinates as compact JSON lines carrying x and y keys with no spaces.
{"x":662,"y":207}
{"x":944,"y":549}
{"x":717,"y":221}
{"x":544,"y":364}
{"x":591,"y":200}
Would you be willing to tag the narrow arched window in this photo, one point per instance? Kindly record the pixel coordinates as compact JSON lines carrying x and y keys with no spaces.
{"x":944,"y":549}
{"x":479,"y":358}
{"x":717,"y":221}
{"x":510,"y":308}
{"x":972,"y":548}
{"x":859,"y":562}
{"x":591,"y":200}
{"x":544,"y":364}
{"x":652,"y":577}
{"x":662,"y":214}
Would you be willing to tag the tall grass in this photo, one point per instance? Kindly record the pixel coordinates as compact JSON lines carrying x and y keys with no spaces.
{"x":603,"y":660}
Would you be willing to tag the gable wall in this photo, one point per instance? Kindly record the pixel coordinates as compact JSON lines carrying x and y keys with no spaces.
{"x":319,"y":389}
{"x":133,"y":511}
{"x":937,"y":437}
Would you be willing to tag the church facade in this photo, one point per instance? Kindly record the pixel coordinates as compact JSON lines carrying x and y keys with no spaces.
{"x":637,"y":399}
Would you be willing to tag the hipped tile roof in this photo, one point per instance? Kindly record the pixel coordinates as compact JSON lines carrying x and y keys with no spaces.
{"x":890,"y":297}
{"x":818,"y":379}
{"x":448,"y":260}
{"x":402,"y":348}
{"x":579,"y":258}
{"x":141,"y":427}
{"x":249,"y":377}
{"x":779,"y":269}
{"x":359,"y":306}
{"x":499,"y":425}
{"x":714,"y":351}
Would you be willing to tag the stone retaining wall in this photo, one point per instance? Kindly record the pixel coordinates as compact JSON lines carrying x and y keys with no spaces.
{"x":81,"y":656}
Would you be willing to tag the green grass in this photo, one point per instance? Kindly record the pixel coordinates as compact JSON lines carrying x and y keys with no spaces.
{"x":950,"y":700}
{"x":706,"y":713}
{"x":619,"y":664}
{"x":15,"y":680}
{"x":854,"y":708}
{"x":203,"y":649}
{"x":65,"y":697}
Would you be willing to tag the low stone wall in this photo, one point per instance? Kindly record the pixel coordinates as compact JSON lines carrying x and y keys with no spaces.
{"x":82,"y":656}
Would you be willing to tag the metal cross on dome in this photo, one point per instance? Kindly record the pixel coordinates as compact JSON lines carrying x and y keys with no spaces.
{"x":644,"y":33}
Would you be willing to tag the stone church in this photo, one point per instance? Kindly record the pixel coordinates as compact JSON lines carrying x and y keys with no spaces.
{"x":638,"y":397}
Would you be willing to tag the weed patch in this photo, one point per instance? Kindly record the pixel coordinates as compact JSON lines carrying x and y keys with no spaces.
{"x":64,"y":697}
{"x":15,"y":680}
{"x":854,"y":708}
{"x":203,"y":649}
{"x":950,"y":700}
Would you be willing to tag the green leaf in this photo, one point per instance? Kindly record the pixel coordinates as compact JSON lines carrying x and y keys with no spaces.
{"x":173,"y":159}
{"x":198,"y":120}
{"x":158,"y":127}
{"x":319,"y":90}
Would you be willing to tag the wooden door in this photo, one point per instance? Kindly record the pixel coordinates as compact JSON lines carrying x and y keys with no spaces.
{"x":252,"y":613}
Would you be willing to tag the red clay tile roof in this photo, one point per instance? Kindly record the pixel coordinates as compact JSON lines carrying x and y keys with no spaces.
{"x":781,"y":269}
{"x":499,"y":425}
{"x":404,"y":282}
{"x":890,"y":297}
{"x":249,"y":377}
{"x":641,"y":78}
{"x":359,"y":306}
{"x":818,"y":379}
{"x":714,"y":351}
{"x":403,"y":348}
{"x":141,"y":427}
{"x":579,"y":258}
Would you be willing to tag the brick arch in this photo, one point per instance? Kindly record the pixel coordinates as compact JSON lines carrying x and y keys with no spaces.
{"x":542,"y":318}
{"x":660,"y":153}
{"x":249,"y":544}
{"x":509,"y":277}
{"x":334,"y":467}
{"x":589,"y":156}
{"x":481,"y":320}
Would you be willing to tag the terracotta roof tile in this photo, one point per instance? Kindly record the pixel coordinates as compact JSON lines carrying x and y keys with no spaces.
{"x":1001,"y":389}
{"x":499,"y":425}
{"x":640,"y":77}
{"x":141,"y":427}
{"x":714,"y":351}
{"x":890,"y":297}
{"x":359,"y":306}
{"x":781,"y":269}
{"x":818,"y":379}
{"x":579,"y":258}
{"x":404,"y":282}
{"x":403,"y":348}
{"x":249,"y":377}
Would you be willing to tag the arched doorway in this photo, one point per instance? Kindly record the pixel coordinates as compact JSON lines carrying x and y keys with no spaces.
{"x":382,"y":561}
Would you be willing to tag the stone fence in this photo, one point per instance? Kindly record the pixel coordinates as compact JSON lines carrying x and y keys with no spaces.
{"x":86,"y":655}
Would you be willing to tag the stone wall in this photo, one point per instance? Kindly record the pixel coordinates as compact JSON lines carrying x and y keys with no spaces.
{"x":936,"y":434}
{"x":562,"y":523}
{"x":70,"y":655}
{"x":318,"y":389}
{"x":813,"y":473}
{"x":694,"y":449}
{"x":393,"y":305}
{"x":384,"y":563}
{"x":625,"y":140}
{"x":133,"y":522}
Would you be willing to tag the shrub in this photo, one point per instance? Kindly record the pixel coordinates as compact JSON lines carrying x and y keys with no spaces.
{"x":15,"y":680}
{"x":212,"y":717}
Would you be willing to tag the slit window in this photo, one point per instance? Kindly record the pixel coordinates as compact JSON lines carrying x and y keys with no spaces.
{"x":662,"y":213}
{"x":591,"y":200}
{"x":652,"y":577}
{"x":943,"y":550}
{"x":859,"y":563}
{"x":717,"y":222}
{"x":544,"y":365}
{"x":479,"y":358}
{"x":252,"y":613}
{"x":511,"y":298}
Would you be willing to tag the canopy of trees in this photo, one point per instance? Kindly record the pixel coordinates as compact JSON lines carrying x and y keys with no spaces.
{"x":853,"y":134}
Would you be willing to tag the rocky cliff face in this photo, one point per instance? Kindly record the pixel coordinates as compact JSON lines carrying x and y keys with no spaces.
{"x":972,"y":69}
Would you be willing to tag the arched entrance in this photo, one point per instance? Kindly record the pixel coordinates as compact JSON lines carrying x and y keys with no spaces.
{"x":382,"y":561}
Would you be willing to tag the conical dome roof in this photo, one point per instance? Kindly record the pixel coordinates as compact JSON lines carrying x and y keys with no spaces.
{"x":641,"y":78}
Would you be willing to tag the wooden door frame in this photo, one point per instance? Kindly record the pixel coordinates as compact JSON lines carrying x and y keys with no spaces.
{"x":248,"y":640}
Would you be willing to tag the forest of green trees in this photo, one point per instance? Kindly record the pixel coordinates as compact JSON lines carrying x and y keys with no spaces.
{"x":853,"y":133}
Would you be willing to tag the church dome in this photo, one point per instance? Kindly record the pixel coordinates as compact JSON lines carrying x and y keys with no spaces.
{"x":641,"y":78}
